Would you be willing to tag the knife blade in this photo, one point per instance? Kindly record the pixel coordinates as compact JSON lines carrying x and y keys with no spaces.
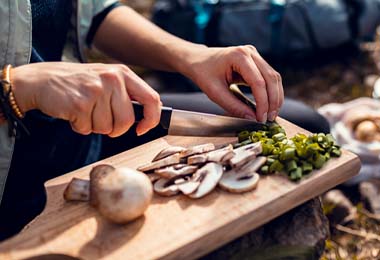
{"x":189,"y":123}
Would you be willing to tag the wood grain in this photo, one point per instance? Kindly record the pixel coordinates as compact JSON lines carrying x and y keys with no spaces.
{"x":172,"y":228}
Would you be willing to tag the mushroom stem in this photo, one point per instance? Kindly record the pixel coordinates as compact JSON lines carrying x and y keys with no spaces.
{"x":78,"y":189}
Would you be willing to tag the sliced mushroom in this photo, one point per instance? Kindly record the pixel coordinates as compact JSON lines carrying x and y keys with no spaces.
{"x":176,"y":170}
{"x":254,"y":166}
{"x":239,"y":182}
{"x":153,"y":177}
{"x":187,"y":185}
{"x":245,"y":154}
{"x":170,"y":160}
{"x":203,"y":148}
{"x":209,"y":176}
{"x":165,"y":187}
{"x":243,"y":179}
{"x":220,"y":156}
{"x":168,"y":151}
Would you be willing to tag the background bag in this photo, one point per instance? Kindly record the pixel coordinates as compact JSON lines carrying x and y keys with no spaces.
{"x":277,"y":28}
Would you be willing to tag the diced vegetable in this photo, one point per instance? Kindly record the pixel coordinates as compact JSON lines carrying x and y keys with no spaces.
{"x":297,"y":156}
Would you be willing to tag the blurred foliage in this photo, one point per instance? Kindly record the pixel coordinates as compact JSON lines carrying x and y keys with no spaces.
{"x":359,"y":239}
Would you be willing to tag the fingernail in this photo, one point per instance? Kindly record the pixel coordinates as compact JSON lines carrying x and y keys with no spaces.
{"x":250,"y":117}
{"x":265,"y":118}
{"x":272,"y":115}
{"x":139,"y":132}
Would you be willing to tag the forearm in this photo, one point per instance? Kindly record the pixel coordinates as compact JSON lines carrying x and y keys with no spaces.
{"x":130,"y":38}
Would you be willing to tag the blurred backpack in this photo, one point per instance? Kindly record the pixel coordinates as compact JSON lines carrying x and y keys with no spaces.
{"x":279,"y":29}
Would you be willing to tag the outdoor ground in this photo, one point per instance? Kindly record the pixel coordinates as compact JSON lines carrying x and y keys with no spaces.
{"x":339,"y":80}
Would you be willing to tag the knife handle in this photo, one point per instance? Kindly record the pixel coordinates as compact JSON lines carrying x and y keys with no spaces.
{"x":166,"y":114}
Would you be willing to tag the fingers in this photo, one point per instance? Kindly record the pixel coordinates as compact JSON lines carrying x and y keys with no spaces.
{"x":122,"y":112}
{"x":140,"y":91}
{"x":219,"y":94}
{"x":273,"y":81}
{"x":82,"y":121}
{"x":253,"y":77}
{"x":265,"y":82}
{"x":113,"y":113}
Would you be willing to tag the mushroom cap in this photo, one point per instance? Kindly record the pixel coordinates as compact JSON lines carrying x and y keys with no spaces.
{"x":239,"y":182}
{"x":122,"y":195}
{"x":166,"y":187}
{"x":366,"y":131}
{"x":209,"y":176}
{"x":166,"y":161}
{"x":176,"y":170}
{"x":168,"y":151}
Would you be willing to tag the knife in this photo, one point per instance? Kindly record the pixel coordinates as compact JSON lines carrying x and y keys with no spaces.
{"x":188,"y":123}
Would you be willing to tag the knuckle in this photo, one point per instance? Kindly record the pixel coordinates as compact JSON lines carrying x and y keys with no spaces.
{"x":93,"y":89}
{"x":279,"y":77}
{"x":251,"y":48}
{"x":155,"y":98}
{"x":275,"y":75}
{"x":124,"y":68}
{"x":241,"y":51}
{"x":260,"y":83}
{"x":80,"y":106}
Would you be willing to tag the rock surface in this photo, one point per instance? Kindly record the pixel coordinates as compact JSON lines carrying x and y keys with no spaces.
{"x":339,"y":209}
{"x":370,"y":194}
{"x":298,"y":234}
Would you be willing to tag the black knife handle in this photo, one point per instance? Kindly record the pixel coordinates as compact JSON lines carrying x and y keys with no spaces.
{"x":166,"y":114}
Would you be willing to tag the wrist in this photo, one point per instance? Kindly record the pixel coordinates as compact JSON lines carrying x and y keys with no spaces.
{"x":183,"y":60}
{"x":23,"y":94}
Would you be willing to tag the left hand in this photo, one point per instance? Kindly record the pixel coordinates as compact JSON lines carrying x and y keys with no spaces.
{"x":214,"y":69}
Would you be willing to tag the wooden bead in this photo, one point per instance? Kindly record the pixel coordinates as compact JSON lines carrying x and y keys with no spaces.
{"x":7,"y":88}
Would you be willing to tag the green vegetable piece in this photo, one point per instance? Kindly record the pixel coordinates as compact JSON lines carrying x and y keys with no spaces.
{"x":291,"y":165}
{"x":299,"y":137}
{"x":264,"y":169}
{"x":276,"y":166}
{"x":270,"y":160}
{"x":242,"y":136}
{"x":296,"y":174}
{"x":318,"y":161}
{"x":306,"y":167}
{"x":336,"y":152}
{"x":267,"y":148}
{"x":288,"y":154}
{"x":278,"y":137}
{"x":312,"y":149}
{"x":237,"y":145}
{"x":330,"y":139}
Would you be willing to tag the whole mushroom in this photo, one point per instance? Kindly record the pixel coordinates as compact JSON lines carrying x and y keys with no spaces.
{"x":120,"y":194}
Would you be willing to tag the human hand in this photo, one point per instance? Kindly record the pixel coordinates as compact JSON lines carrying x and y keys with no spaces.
{"x":214,"y":69}
{"x":94,"y":98}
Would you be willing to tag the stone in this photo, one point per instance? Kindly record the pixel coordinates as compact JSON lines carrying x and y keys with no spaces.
{"x":297,"y":234}
{"x":338,"y":208}
{"x":370,"y":194}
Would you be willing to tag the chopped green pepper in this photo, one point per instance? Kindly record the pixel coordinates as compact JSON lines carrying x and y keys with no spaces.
{"x":296,"y":156}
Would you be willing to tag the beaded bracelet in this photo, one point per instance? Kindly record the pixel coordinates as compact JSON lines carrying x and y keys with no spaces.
{"x":9,"y":110}
{"x":7,"y":88}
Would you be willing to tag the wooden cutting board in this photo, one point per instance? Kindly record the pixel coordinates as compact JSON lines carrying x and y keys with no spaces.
{"x":174,"y":227}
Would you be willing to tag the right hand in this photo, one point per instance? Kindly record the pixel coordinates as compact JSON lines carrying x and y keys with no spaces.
{"x":94,"y":98}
